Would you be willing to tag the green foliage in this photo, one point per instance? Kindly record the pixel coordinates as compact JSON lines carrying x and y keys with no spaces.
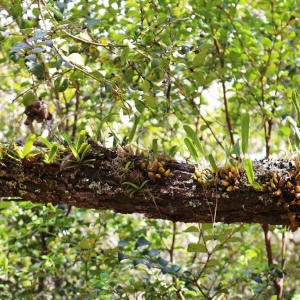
{"x":245,"y":132}
{"x":295,"y":100}
{"x":248,"y":166}
{"x":193,"y":74}
{"x":79,"y":149}
{"x":133,"y":188}
{"x":25,"y":151}
{"x":53,"y":148}
{"x":213,"y":163}
{"x":195,"y":142}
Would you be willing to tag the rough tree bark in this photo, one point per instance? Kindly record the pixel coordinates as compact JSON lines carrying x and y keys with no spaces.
{"x":178,"y":197}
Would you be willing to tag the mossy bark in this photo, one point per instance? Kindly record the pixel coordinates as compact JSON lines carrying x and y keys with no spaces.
{"x":178,"y":197}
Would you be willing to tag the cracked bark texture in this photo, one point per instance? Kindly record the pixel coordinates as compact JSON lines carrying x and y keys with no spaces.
{"x":176,"y":198}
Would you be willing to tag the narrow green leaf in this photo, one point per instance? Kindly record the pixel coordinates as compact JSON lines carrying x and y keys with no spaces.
{"x":256,"y":186}
{"x":127,"y":165}
{"x":18,"y":151}
{"x":45,"y":141}
{"x":131,"y":184}
{"x":80,"y":140}
{"x":74,"y":152}
{"x":249,"y":170}
{"x":66,"y":138}
{"x":143,"y":184}
{"x":82,"y":148}
{"x":155,"y":147}
{"x":237,"y":149}
{"x":295,"y":100}
{"x":52,"y":153}
{"x":173,"y":151}
{"x":245,"y":132}
{"x":191,"y":149}
{"x":86,"y":149}
{"x":294,"y":125}
{"x":71,"y":146}
{"x":213,"y":163}
{"x":193,"y":136}
{"x":133,"y":130}
{"x":28,"y":145}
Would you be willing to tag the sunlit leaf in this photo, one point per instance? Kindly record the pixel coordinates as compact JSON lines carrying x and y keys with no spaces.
{"x":245,"y":132}
{"x":250,"y":173}
{"x":193,"y":136}
{"x":103,"y":41}
{"x":28,"y":145}
{"x":192,"y":247}
{"x":213,"y":163}
{"x":52,"y":153}
{"x":173,"y":150}
{"x":192,"y":229}
{"x":16,"y":10}
{"x":191,"y":149}
{"x":155,"y":147}
{"x":28,"y":98}
{"x":76,"y":58}
{"x":199,"y":59}
{"x":5,"y":204}
{"x":133,"y":130}
{"x":85,"y":244}
{"x":296,"y":103}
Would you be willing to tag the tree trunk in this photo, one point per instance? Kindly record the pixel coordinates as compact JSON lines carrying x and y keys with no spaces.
{"x":183,"y":195}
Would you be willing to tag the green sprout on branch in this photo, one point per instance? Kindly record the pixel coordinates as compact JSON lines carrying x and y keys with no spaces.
{"x":53,"y":148}
{"x":133,"y":188}
{"x":25,"y":151}
{"x":79,"y":149}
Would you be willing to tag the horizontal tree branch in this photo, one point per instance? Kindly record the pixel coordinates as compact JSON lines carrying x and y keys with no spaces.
{"x":118,"y":181}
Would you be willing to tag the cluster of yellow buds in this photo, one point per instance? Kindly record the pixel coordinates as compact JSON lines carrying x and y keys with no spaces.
{"x":275,"y":185}
{"x":155,"y":169}
{"x":230,"y":178}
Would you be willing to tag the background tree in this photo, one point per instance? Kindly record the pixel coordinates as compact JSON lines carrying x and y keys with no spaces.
{"x":136,"y":73}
